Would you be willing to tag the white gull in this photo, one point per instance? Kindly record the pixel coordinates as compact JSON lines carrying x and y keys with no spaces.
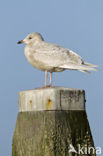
{"x":52,"y":58}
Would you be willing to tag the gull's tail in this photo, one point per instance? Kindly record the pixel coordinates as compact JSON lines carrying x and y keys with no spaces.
{"x":84,"y":67}
{"x":89,"y":64}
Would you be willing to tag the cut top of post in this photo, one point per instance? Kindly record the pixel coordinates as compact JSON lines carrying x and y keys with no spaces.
{"x":54,"y":98}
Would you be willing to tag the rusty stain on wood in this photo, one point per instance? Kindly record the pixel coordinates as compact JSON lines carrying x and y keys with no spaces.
{"x":49,"y":103}
{"x":30,"y":103}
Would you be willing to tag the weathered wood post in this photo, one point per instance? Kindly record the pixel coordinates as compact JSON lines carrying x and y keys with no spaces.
{"x":52,"y":122}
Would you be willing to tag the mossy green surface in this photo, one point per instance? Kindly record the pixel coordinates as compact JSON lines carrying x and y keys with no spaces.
{"x":50,"y":133}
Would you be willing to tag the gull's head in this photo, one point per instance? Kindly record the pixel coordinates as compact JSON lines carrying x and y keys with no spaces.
{"x":32,"y":38}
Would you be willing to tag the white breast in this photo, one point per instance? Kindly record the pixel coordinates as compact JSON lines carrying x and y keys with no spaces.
{"x":34,"y":61}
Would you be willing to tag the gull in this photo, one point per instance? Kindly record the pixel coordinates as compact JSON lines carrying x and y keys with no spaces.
{"x":51,"y":58}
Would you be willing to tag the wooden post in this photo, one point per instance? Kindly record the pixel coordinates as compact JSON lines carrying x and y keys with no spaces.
{"x":52,"y":122}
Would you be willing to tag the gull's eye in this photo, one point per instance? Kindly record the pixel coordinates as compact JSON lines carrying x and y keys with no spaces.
{"x":30,"y":38}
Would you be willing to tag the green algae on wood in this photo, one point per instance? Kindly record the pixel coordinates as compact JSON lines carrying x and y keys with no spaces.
{"x":50,"y":133}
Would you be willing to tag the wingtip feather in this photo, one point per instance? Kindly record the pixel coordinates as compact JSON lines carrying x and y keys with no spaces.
{"x":89,"y":64}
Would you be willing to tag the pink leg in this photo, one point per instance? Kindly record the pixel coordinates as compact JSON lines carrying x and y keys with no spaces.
{"x":50,"y":82}
{"x":46,"y":76}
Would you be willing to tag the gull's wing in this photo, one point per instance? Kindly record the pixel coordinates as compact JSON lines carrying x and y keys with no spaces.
{"x":54,"y":55}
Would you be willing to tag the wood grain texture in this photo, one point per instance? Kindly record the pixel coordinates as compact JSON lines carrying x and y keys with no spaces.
{"x":53,"y":98}
{"x":50,"y":133}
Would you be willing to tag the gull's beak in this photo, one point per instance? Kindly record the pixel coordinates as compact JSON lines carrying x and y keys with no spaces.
{"x":20,"y":42}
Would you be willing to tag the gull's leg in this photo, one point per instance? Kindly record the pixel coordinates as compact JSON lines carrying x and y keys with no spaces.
{"x":45,"y":86}
{"x":50,"y":82}
{"x":46,"y":76}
